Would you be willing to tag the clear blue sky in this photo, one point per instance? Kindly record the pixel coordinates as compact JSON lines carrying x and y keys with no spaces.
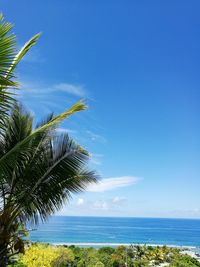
{"x":138,"y":65}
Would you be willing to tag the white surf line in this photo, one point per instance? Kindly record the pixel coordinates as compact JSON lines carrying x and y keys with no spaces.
{"x":119,"y":244}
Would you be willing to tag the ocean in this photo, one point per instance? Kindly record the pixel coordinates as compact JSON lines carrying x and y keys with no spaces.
{"x":91,"y":231}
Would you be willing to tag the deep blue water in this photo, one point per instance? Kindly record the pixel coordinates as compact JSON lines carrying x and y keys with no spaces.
{"x":119,"y":230}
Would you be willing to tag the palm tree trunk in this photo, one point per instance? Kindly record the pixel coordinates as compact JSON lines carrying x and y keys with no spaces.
{"x":3,"y":262}
{"x":3,"y":256}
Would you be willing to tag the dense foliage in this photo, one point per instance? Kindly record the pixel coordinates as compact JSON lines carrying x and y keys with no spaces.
{"x":134,"y":256}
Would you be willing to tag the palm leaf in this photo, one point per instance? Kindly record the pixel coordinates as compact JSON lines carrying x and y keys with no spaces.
{"x":7,"y":51}
{"x":22,"y":52}
{"x":23,"y":149}
{"x":9,"y":59}
{"x":38,"y":184}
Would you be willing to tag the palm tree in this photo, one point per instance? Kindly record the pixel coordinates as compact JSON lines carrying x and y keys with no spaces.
{"x":40,"y":170}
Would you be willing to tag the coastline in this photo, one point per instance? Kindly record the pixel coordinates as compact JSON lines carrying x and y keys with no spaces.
{"x":96,"y":252}
{"x":192,"y":251}
{"x":93,"y":244}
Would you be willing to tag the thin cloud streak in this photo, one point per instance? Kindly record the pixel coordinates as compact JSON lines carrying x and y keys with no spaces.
{"x":41,"y":89}
{"x":113,"y":183}
{"x":72,"y":89}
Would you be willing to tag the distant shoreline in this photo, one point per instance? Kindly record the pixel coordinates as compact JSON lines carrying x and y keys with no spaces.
{"x":128,"y":217}
{"x":93,"y":244}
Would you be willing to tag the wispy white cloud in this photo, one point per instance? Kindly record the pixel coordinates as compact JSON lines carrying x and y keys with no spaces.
{"x":72,"y":89}
{"x":100,"y":205}
{"x":44,"y":89}
{"x":113,"y":183}
{"x":95,"y":206}
{"x":118,"y":200}
{"x":109,"y":204}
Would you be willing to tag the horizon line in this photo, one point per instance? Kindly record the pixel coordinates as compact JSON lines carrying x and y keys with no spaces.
{"x":126,"y":217}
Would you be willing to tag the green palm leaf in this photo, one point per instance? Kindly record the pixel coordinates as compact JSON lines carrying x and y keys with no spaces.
{"x":38,"y":184}
{"x":22,"y":148}
{"x":9,"y":59}
{"x":22,"y":53}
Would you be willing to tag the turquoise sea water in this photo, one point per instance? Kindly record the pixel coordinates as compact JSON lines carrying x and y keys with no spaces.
{"x":95,"y":230}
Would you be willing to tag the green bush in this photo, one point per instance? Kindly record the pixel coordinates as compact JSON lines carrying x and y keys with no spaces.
{"x":136,"y":256}
{"x":185,"y":261}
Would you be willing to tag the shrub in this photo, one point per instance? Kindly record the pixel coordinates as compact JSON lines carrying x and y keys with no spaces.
{"x":47,"y":256}
{"x":185,"y":261}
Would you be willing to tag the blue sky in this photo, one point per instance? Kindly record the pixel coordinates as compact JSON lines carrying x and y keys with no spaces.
{"x":137,"y":64}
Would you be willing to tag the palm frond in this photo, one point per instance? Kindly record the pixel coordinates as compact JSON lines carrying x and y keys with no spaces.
{"x":37,"y":185}
{"x":7,"y":52}
{"x":23,"y":52}
{"x":59,"y":174}
{"x":22,"y":150}
{"x":9,"y":59}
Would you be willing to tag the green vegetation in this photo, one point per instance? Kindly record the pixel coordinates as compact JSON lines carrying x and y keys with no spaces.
{"x":134,"y":256}
{"x":39,"y":168}
{"x":185,"y":261}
